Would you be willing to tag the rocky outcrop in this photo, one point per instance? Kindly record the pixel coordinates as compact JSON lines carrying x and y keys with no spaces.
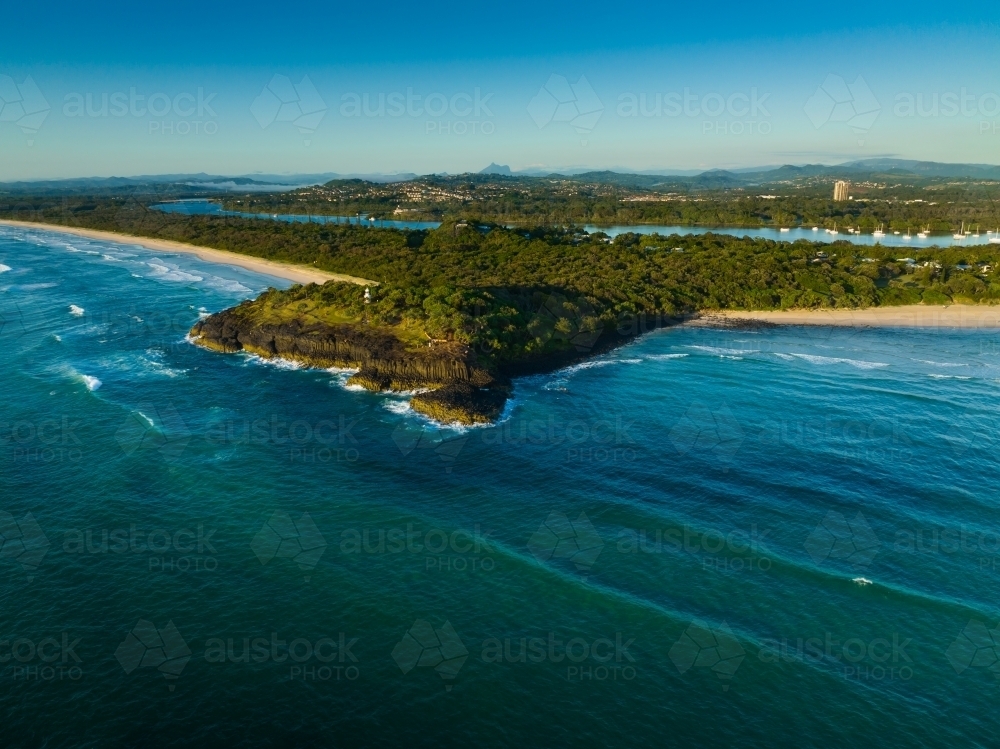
{"x":451,"y":384}
{"x":461,"y":389}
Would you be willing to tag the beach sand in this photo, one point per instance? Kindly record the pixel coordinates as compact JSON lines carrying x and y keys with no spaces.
{"x":289,"y":271}
{"x":909,"y":316}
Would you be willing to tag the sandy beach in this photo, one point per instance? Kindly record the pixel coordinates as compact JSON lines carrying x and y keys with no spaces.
{"x":909,"y":316}
{"x":296,"y":273}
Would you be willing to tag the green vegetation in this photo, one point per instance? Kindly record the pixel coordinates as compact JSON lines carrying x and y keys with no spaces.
{"x":938,"y":204}
{"x":464,"y":307}
{"x":466,"y":280}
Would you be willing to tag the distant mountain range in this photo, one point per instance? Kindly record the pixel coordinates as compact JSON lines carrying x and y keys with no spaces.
{"x":710,"y":179}
{"x":721,"y":178}
{"x":257,"y":182}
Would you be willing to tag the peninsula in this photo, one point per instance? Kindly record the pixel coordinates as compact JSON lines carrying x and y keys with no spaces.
{"x":452,"y":314}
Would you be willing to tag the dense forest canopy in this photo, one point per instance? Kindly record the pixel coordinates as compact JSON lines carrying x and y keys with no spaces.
{"x":483,"y":283}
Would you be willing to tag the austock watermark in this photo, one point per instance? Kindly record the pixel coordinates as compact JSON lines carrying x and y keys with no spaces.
{"x":147,"y":646}
{"x":855,"y":106}
{"x":981,"y":108}
{"x":718,"y":650}
{"x":739,"y":113}
{"x":154,"y":430}
{"x":163,"y":333}
{"x":182,"y":114}
{"x":606,"y":658}
{"x":458,"y":114}
{"x":436,"y":549}
{"x":563,"y":102}
{"x":42,"y":441}
{"x":298,"y":104}
{"x":982,"y":546}
{"x":874,"y":441}
{"x":842,"y":104}
{"x":736,"y":550}
{"x":845,"y":539}
{"x":440,"y":648}
{"x":325,"y":659}
{"x":563,"y":538}
{"x":429,"y":442}
{"x":23,"y":542}
{"x":976,"y":648}
{"x":23,"y":105}
{"x":602,"y":440}
{"x":958,"y":103}
{"x":290,"y":536}
{"x":601,"y":659}
{"x":863,"y":659}
{"x":702,"y":646}
{"x":306,"y":441}
{"x":165,"y":550}
{"x":40,"y":660}
{"x":708,"y":432}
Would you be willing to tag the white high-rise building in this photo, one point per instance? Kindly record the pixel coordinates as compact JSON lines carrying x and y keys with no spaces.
{"x":840,"y":190}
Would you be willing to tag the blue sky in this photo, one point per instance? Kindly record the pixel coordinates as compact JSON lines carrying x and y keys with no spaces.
{"x":127,"y":88}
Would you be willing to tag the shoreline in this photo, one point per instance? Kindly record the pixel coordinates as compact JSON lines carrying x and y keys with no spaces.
{"x":288,"y":271}
{"x":982,"y":316}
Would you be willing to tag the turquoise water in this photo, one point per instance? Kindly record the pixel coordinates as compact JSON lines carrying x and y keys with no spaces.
{"x":662,"y":526}
{"x":210,"y":208}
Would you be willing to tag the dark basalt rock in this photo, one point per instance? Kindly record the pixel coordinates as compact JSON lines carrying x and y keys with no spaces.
{"x":463,"y":390}
{"x":451,"y":384}
{"x":462,"y":402}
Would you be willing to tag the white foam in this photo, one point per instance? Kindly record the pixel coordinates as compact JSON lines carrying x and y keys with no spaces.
{"x":827,"y":360}
{"x":76,"y":311}
{"x":397,"y":406}
{"x":663,"y":357}
{"x":722,"y":351}
{"x":588,"y":365}
{"x":163,"y":272}
{"x":277,"y":362}
{"x":949,"y":377}
{"x":598,"y":363}
{"x":92,"y":383}
{"x":4,"y":268}
{"x":940,"y":364}
{"x":229,"y":285}
{"x":862,"y":581}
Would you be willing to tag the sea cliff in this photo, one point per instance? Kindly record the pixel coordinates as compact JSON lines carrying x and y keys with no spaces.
{"x":451,"y":386}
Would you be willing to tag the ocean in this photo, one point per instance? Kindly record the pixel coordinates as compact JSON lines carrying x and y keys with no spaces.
{"x":768,"y":537}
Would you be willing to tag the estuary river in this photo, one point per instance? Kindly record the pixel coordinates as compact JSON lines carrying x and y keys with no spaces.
{"x":212,"y":208}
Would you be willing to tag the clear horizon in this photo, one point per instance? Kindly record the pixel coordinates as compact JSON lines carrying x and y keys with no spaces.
{"x":698,"y":90}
